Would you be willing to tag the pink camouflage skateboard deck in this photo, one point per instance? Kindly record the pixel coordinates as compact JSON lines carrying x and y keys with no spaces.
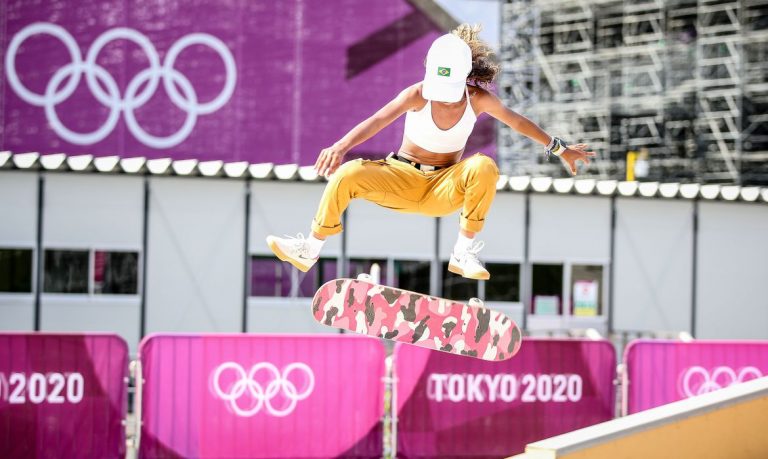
{"x":376,"y":310}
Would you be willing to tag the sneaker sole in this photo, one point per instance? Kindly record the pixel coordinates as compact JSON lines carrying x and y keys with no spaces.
{"x":456,"y":270}
{"x":282,"y":256}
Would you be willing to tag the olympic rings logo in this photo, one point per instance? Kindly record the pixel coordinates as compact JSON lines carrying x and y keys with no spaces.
{"x":697,"y":380}
{"x":133,"y":98}
{"x":279,"y":386}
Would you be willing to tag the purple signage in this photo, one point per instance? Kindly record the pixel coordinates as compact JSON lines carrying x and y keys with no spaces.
{"x":257,"y":81}
{"x":62,"y":396}
{"x":261,"y":396}
{"x":660,"y":372}
{"x":462,"y":407}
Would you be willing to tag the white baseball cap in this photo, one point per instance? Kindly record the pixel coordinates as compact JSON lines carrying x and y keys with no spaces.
{"x":449,"y":62}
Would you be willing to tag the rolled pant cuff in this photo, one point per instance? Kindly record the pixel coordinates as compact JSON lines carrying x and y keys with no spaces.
{"x":474,"y":226}
{"x":326,"y":230}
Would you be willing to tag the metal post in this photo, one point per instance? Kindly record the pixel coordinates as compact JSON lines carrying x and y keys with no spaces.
{"x":694,"y":270}
{"x":526,"y":281}
{"x":436,"y":273}
{"x":39,"y":279}
{"x":246,"y":245}
{"x":144,"y":256}
{"x":611,"y":266}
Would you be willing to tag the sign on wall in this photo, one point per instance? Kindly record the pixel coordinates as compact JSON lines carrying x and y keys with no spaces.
{"x":234,"y":81}
{"x":270,"y":396}
{"x":62,"y":396}
{"x":661,"y":372}
{"x":462,"y":407}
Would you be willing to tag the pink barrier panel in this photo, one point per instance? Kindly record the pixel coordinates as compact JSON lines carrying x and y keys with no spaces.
{"x":454,"y":406}
{"x":660,"y":372}
{"x":62,"y":395}
{"x":258,"y":396}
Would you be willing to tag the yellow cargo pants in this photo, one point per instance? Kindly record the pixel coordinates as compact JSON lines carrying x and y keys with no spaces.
{"x":469,"y":185}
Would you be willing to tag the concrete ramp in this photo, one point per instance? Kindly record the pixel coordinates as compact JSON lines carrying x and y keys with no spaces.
{"x":728,"y":423}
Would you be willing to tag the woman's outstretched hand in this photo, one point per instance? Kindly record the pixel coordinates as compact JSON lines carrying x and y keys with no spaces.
{"x":329,"y":160}
{"x":575,"y":153}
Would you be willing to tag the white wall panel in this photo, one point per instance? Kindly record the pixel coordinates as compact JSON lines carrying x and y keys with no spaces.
{"x":18,"y":229}
{"x":732,"y":302}
{"x":280,"y":208}
{"x":503,"y":233}
{"x":93,"y":210}
{"x":571,"y":228}
{"x":195,"y":255}
{"x":375,"y":231}
{"x":81,"y":313}
{"x":18,"y":209}
{"x":653,"y":265}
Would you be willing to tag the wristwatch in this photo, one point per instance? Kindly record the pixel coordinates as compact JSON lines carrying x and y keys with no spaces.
{"x":556,"y":147}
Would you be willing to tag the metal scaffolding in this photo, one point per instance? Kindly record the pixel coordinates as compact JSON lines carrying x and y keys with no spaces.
{"x":680,"y":82}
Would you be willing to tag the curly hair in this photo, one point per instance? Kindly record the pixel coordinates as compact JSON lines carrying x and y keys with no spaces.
{"x":484,"y":66}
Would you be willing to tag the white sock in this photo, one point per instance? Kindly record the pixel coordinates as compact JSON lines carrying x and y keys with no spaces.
{"x":315,"y":246}
{"x":462,"y":243}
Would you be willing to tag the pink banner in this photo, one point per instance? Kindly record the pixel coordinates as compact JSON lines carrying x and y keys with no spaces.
{"x":454,"y":406}
{"x":62,"y":395}
{"x":259,"y":396}
{"x":660,"y":372}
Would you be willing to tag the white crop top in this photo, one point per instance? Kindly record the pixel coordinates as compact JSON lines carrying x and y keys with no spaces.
{"x":421,"y":129}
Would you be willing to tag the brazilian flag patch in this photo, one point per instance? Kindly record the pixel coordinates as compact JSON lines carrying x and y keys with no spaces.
{"x":444,"y":71}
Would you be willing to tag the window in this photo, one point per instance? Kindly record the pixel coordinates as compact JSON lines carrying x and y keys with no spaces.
{"x":458,"y":288}
{"x":586,"y":290}
{"x":547,"y":289}
{"x":274,"y":278}
{"x":412,"y":275}
{"x":504,"y":284}
{"x":16,"y":270}
{"x":115,"y":273}
{"x":66,"y":271}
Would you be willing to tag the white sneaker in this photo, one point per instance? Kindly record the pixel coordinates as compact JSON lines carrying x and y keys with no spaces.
{"x":466,"y":263}
{"x":294,"y":250}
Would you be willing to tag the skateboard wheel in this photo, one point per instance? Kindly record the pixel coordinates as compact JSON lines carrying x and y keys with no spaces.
{"x":365,"y":277}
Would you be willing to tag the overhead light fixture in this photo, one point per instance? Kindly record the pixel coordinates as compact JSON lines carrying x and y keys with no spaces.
{"x":211,"y":168}
{"x":627,"y":188}
{"x":80,"y":163}
{"x":235,"y":169}
{"x":184,"y":166}
{"x":689,"y":190}
{"x":730,"y":192}
{"x":287,"y":171}
{"x":106,"y":163}
{"x":53,"y":162}
{"x":520,"y":183}
{"x":669,"y":190}
{"x":563,"y":185}
{"x":308,"y":173}
{"x":750,"y":193}
{"x":25,"y":160}
{"x":541,"y":184}
{"x":133,"y":165}
{"x":159,"y":166}
{"x":262,"y":170}
{"x":585,"y":186}
{"x":710,"y":191}
{"x":607,"y":187}
{"x":648,"y":189}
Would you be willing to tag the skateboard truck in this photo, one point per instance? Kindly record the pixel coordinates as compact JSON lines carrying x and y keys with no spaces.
{"x":476,"y":302}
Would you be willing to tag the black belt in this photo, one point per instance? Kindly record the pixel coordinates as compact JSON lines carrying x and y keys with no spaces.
{"x":419,"y":166}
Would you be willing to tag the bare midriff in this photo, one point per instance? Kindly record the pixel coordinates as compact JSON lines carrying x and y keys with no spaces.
{"x":413,"y":152}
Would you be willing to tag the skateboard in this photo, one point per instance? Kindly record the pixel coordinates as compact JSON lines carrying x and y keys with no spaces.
{"x":361,"y":306}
